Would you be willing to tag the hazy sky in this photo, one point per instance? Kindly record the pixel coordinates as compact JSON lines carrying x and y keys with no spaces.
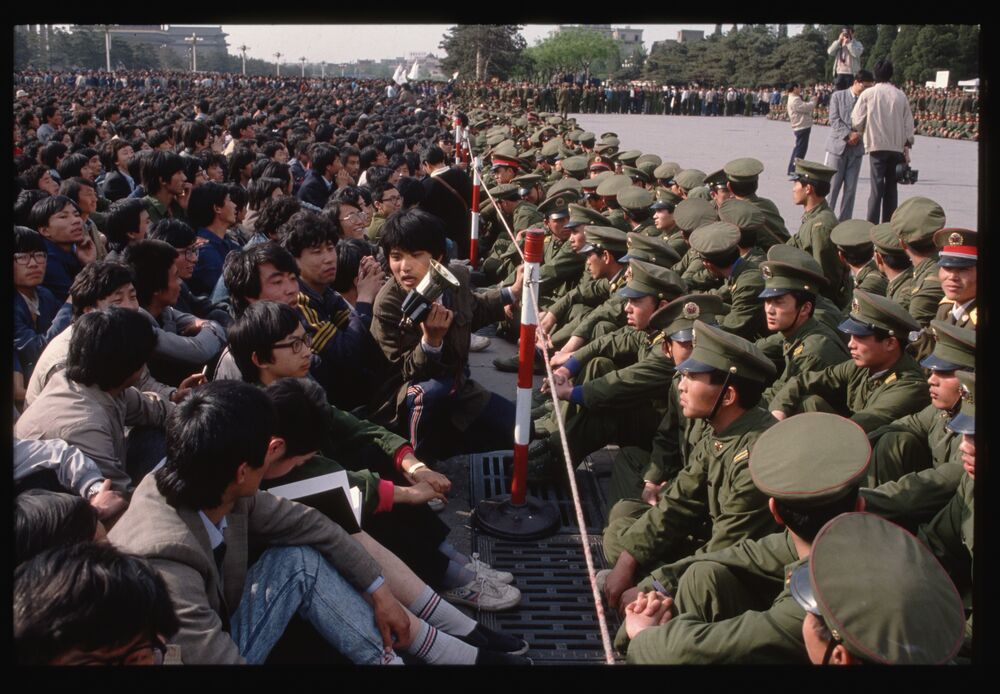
{"x":345,"y":43}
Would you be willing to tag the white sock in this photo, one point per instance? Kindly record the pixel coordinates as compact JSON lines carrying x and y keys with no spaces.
{"x":430,"y":608}
{"x":438,"y":648}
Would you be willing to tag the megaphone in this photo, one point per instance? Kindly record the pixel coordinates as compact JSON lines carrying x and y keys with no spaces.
{"x":418,"y":302}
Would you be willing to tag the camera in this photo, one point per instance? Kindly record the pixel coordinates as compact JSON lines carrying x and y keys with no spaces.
{"x":905,"y":175}
{"x":418,"y":302}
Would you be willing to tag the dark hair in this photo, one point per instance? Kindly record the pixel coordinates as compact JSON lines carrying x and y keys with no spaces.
{"x":349,"y":255}
{"x":260,"y":326}
{"x":858,"y":255}
{"x":72,"y":165}
{"x":28,"y":240}
{"x":413,"y":230}
{"x":262,"y":189}
{"x":240,"y":157}
{"x":210,"y":433}
{"x":108,"y":346}
{"x":70,"y":187}
{"x":51,"y":153}
{"x":203,"y":201}
{"x":793,"y":85}
{"x":883,"y":70}
{"x":820,"y":188}
{"x":175,"y":232}
{"x":748,"y":392}
{"x":97,"y":281}
{"x":42,"y":211}
{"x":378,"y":177}
{"x":806,"y":518}
{"x":306,"y":229}
{"x":241,"y":271}
{"x":150,"y":261}
{"x":723,"y":259}
{"x":160,"y":167}
{"x":44,"y":519}
{"x":87,"y":597}
{"x":896,"y":261}
{"x":637,"y":215}
{"x":274,"y":212}
{"x":802,"y":297}
{"x":109,"y":153}
{"x":48,"y":112}
{"x":348,"y":152}
{"x":321,"y":156}
{"x":193,"y":133}
{"x":301,"y":406}
{"x":864,"y":76}
{"x":433,"y":155}
{"x":123,"y":219}
{"x":275,"y":169}
{"x":211,"y":158}
{"x":32,"y":176}
{"x":238,"y":124}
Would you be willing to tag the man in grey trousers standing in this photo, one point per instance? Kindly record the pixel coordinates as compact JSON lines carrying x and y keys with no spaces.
{"x":844,"y":148}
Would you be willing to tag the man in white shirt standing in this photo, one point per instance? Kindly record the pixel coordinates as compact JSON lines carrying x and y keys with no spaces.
{"x":800,"y":116}
{"x":847,"y":52}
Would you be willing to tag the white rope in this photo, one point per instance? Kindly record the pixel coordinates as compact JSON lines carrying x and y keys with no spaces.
{"x":510,"y":232}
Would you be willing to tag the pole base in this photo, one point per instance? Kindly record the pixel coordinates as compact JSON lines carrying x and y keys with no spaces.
{"x":532,"y":520}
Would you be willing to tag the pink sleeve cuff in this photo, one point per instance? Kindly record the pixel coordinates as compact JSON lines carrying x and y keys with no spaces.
{"x":401,"y":453}
{"x":385,"y":492}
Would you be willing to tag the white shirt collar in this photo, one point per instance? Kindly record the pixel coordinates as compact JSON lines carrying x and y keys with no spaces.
{"x":958,"y":310}
{"x":215,"y":536}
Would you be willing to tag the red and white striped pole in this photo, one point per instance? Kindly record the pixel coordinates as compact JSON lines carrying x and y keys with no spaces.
{"x":474,"y":234}
{"x":533,"y":244}
{"x":458,"y":140}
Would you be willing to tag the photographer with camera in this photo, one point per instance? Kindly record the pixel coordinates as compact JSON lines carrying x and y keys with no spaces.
{"x":883,"y":114}
{"x":847,"y":61}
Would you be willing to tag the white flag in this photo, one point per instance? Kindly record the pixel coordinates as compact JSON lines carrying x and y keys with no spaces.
{"x":414,"y":71}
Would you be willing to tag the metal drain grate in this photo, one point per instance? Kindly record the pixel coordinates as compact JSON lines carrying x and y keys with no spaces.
{"x":490,"y":473}
{"x":556,"y":615}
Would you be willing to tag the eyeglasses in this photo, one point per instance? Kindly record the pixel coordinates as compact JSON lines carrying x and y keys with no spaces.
{"x":357,"y":216}
{"x":296,"y":343}
{"x":157,"y":650}
{"x":191,"y":253}
{"x":391,"y":198}
{"x":25,"y":258}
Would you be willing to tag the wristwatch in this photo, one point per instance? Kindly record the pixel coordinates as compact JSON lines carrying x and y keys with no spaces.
{"x":93,"y":489}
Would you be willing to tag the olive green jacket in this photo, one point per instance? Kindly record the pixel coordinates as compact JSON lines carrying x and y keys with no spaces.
{"x":774,"y":223}
{"x":746,"y":311}
{"x":814,"y":238}
{"x":901,"y":288}
{"x":642,"y":377}
{"x":813,"y":347}
{"x":926,"y":292}
{"x":868,"y":279}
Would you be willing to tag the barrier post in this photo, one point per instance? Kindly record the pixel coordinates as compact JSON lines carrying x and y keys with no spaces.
{"x":474,"y":234}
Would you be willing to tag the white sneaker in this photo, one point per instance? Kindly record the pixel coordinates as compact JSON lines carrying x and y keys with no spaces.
{"x":477,"y":343}
{"x":481,"y":568}
{"x":484,"y":595}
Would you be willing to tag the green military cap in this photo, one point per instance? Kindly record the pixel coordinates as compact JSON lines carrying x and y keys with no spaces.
{"x":667,"y":170}
{"x":886,"y":240}
{"x":600,"y":163}
{"x":717,"y":350}
{"x":783,"y":253}
{"x":554,"y":120}
{"x":917,"y":219}
{"x":529,"y":155}
{"x":496,"y":138}
{"x":550,"y":148}
{"x":651,"y":249}
{"x":852,"y":233}
{"x":795,"y":273}
{"x":693,"y":213}
{"x":629,"y":156}
{"x":605,"y":136}
{"x":649,"y":158}
{"x":635,"y":174}
{"x":871,"y":311}
{"x":700,"y":193}
{"x":574,"y":135}
{"x":556,"y":206}
{"x":527,"y":180}
{"x":666,"y":199}
{"x":647,"y":167}
{"x":958,"y":247}
{"x":813,"y":172}
{"x":880,"y":592}
{"x":676,"y":319}
{"x":579,"y":214}
{"x":505,"y":191}
{"x":604,"y":238}
{"x":744,"y":169}
{"x":965,"y":421}
{"x":689,"y":178}
{"x":521,"y":123}
{"x":586,"y":137}
{"x":716,"y":179}
{"x":575,"y":166}
{"x":743,"y":214}
{"x":635,"y":198}
{"x":610,"y":140}
{"x":589,"y":185}
{"x":605,"y":149}
{"x":839,"y":453}
{"x":613,"y":185}
{"x":535,"y":139}
{"x":715,"y":238}
{"x":954,"y":348}
{"x":480,"y":123}
{"x":649,"y":279}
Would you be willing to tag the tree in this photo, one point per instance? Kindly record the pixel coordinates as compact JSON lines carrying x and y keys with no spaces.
{"x":782,"y":31}
{"x":575,"y":49}
{"x":904,"y":62}
{"x":883,"y":44}
{"x":482,"y":51}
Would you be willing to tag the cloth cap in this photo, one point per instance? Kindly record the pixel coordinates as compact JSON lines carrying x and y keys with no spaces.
{"x":649,"y":158}
{"x":965,"y":421}
{"x":715,"y":238}
{"x":635,"y":198}
{"x":579,"y":214}
{"x":612,"y":185}
{"x":689,"y":178}
{"x":586,"y":137}
{"x":629,"y":156}
{"x":743,"y":214}
{"x":812,"y":457}
{"x":916,"y":219}
{"x":700,"y":193}
{"x":717,"y":350}
{"x":886,"y":240}
{"x":693,"y":213}
{"x":852,"y":233}
{"x":882,"y":593}
{"x":556,"y":206}
{"x":870,"y":311}
{"x":745,"y":169}
{"x":647,"y":167}
{"x":716,"y":178}
{"x":648,"y":279}
{"x":954,"y":348}
{"x":813,"y":172}
{"x":667,"y":170}
{"x":650,"y":249}
{"x":635,"y":174}
{"x":782,"y":277}
{"x":550,"y":148}
{"x":958,"y":247}
{"x":575,"y":165}
{"x":676,"y":319}
{"x":602,"y":238}
{"x":665,"y":198}
{"x":566,"y":184}
{"x":505,"y":191}
{"x":590,"y":184}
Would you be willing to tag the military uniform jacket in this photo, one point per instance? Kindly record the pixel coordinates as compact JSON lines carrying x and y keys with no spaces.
{"x":675,"y":239}
{"x":692,"y":271}
{"x":611,"y":311}
{"x":771,"y":636}
{"x":926,"y":292}
{"x":919,"y":495}
{"x":901,"y":288}
{"x":868,"y":279}
{"x":560,"y":270}
{"x":814,"y":238}
{"x":774,"y":223}
{"x":643,"y":376}
{"x":854,"y":393}
{"x":526,"y":215}
{"x":589,"y":292}
{"x":813,"y":347}
{"x":746,"y":312}
{"x":617,"y":219}
{"x":968,"y":319}
{"x":715,"y":485}
{"x":674,"y":439}
{"x":410,"y":362}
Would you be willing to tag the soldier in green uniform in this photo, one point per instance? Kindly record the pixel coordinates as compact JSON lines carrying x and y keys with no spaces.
{"x":608,"y":190}
{"x":712,"y":502}
{"x":750,"y":221}
{"x":687,"y":180}
{"x":718,"y":246}
{"x":575,"y":166}
{"x":563,"y":100}
{"x":949,"y":535}
{"x":734,"y":605}
{"x":718,"y":187}
{"x":664,"y":175}
{"x":874,"y":594}
{"x":856,"y":250}
{"x":622,"y":378}
{"x":690,"y":215}
{"x":806,"y":345}
{"x":915,"y":222}
{"x":499,"y":262}
{"x":641,"y":471}
{"x":743,"y":175}
{"x":879,"y":384}
{"x":663,"y":219}
{"x":635,"y":205}
{"x":825,"y":311}
{"x":812,"y":183}
{"x":526,"y":213}
{"x":957,"y":272}
{"x":916,"y":462}
{"x":892,"y":261}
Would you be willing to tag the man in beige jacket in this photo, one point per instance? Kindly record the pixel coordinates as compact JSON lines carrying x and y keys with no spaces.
{"x":800,"y":116}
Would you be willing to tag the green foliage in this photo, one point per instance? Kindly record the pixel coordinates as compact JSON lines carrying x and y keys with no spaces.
{"x":498,"y":47}
{"x":575,"y":49}
{"x":883,"y":45}
{"x":904,"y":62}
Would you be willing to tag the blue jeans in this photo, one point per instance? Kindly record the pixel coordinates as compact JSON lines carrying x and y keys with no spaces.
{"x":286,"y":580}
{"x":801,"y":146}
